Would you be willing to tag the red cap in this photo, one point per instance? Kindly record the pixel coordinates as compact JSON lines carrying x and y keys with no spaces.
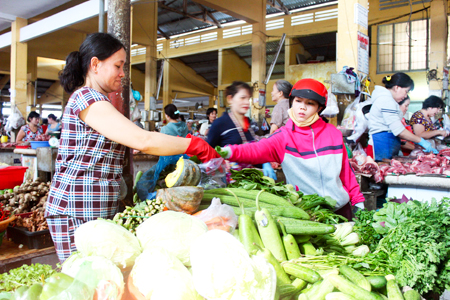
{"x":310,"y":89}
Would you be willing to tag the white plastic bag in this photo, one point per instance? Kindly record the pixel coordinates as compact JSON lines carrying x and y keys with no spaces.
{"x":349,"y":119}
{"x":15,"y":120}
{"x":361,"y":121}
{"x":332,"y":108}
{"x":218,"y":216}
{"x":446,"y":122}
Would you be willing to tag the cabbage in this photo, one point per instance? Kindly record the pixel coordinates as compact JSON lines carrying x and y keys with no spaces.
{"x":107,"y":239}
{"x":222,"y":269}
{"x":173,"y":231}
{"x":159,"y":275}
{"x":104,"y":274}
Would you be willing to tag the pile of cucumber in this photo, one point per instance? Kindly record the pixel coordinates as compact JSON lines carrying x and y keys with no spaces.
{"x":270,"y":226}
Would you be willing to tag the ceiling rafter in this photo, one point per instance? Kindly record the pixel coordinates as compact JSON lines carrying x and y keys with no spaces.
{"x":163,"y":6}
{"x":278,"y":4}
{"x":206,"y":12}
{"x":163,"y":33}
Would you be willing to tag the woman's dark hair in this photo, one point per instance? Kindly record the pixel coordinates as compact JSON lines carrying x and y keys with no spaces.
{"x":52,"y":116}
{"x":285,"y":87}
{"x":399,"y":79}
{"x":433,"y":102}
{"x":172,"y":111}
{"x":44,"y":121}
{"x":182,"y":118}
{"x":100,"y":45}
{"x":404,"y":100}
{"x":209,"y":111}
{"x":32,"y":115}
{"x":235,"y":87}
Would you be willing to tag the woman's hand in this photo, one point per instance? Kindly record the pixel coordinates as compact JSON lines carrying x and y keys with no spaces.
{"x":443,"y":133}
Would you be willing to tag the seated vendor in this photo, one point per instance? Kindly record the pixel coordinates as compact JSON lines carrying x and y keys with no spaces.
{"x":29,"y":131}
{"x":421,"y":121}
{"x":53,"y":124}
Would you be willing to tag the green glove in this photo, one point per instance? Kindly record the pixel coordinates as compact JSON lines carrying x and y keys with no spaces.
{"x":28,"y":293}
{"x":55,"y":285}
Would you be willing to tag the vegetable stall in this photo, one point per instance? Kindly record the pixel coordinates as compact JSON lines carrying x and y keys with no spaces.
{"x":254,"y":239}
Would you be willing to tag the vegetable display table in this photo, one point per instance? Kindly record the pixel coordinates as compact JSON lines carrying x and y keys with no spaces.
{"x":11,"y":256}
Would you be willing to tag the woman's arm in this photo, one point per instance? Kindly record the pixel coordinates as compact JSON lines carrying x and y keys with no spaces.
{"x":407,"y":135}
{"x":20,"y":136}
{"x":419,"y":130}
{"x":349,"y":181}
{"x":104,"y":118}
{"x":265,"y":150}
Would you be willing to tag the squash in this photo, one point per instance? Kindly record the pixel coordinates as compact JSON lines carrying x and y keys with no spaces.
{"x":187,"y":173}
{"x":182,"y":198}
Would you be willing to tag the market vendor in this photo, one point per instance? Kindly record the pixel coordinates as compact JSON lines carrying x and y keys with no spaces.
{"x":280,"y":95}
{"x":310,"y":151}
{"x":385,"y":126}
{"x":94,"y":135}
{"x":53,"y":124}
{"x":211,"y":116}
{"x":421,"y":121}
{"x":175,"y":126}
{"x":234,"y":128}
{"x":30,"y":131}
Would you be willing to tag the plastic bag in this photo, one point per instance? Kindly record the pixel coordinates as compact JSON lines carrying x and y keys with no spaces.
{"x":446,"y":122}
{"x":15,"y":120}
{"x":359,"y":155}
{"x":332,"y":108}
{"x":146,"y":185}
{"x":218,"y":216}
{"x":361,"y":121}
{"x":349,"y":119}
{"x":214,"y":174}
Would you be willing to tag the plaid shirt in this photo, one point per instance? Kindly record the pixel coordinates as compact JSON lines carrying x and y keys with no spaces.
{"x":88,"y":166}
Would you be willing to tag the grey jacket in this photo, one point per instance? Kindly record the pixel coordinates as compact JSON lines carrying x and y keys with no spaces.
{"x":385,"y":113}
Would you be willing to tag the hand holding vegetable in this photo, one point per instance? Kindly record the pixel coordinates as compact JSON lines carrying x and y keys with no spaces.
{"x":201,"y":149}
{"x":268,"y":171}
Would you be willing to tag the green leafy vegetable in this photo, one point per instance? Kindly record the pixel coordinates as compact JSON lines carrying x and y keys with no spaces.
{"x":363,"y":226}
{"x":25,"y":275}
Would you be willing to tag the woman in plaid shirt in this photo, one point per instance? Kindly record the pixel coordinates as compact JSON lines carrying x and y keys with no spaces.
{"x":93,"y":140}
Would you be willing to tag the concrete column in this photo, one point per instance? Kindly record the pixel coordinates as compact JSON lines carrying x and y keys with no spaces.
{"x":438,"y":40}
{"x":167,"y":99}
{"x":19,"y":56}
{"x":31,"y":79}
{"x":221,"y":88}
{"x":151,"y":76}
{"x":258,"y":62}
{"x":119,"y":19}
{"x":347,"y":35}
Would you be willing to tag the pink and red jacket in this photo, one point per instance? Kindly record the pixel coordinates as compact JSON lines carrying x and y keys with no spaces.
{"x":313,"y":158}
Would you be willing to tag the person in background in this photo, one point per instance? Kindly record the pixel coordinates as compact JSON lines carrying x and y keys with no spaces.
{"x":189,"y":124}
{"x":310,"y":151}
{"x":54,"y":124}
{"x":406,"y":147}
{"x":29,"y":131}
{"x":385,"y":126}
{"x":233,"y":128}
{"x":44,"y":125}
{"x":280,"y":95}
{"x":211,"y":115}
{"x":421,"y":121}
{"x":94,"y":136}
{"x":174,"y":127}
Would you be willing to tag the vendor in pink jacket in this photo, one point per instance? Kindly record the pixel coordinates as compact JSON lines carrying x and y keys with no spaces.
{"x":310,"y":151}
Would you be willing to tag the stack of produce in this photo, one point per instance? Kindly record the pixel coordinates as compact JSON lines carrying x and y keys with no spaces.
{"x":28,"y":197}
{"x":414,"y":237}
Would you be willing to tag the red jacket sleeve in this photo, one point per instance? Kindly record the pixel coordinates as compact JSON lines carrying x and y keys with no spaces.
{"x":265,"y":150}
{"x":349,"y":180}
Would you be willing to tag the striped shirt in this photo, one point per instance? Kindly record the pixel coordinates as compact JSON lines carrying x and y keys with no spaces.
{"x":88,"y":166}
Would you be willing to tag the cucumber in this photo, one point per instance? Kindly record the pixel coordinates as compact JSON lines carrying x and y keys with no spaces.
{"x":265,"y":197}
{"x":352,"y":289}
{"x":281,"y":211}
{"x":307,"y":248}
{"x":393,"y":291}
{"x":319,"y":292}
{"x":338,"y":296}
{"x":355,"y":277}
{"x":299,"y":284}
{"x":300,"y":239}
{"x":287,"y":290}
{"x":411,"y":295}
{"x":377,"y":282}
{"x":325,"y":273}
{"x":230,"y":200}
{"x":303,"y":227}
{"x":301,"y":272}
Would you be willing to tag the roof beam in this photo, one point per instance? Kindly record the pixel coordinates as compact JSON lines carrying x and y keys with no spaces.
{"x":163,"y":33}
{"x":205,"y":11}
{"x":163,"y":6}
{"x":249,"y":10}
{"x":280,"y":6}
